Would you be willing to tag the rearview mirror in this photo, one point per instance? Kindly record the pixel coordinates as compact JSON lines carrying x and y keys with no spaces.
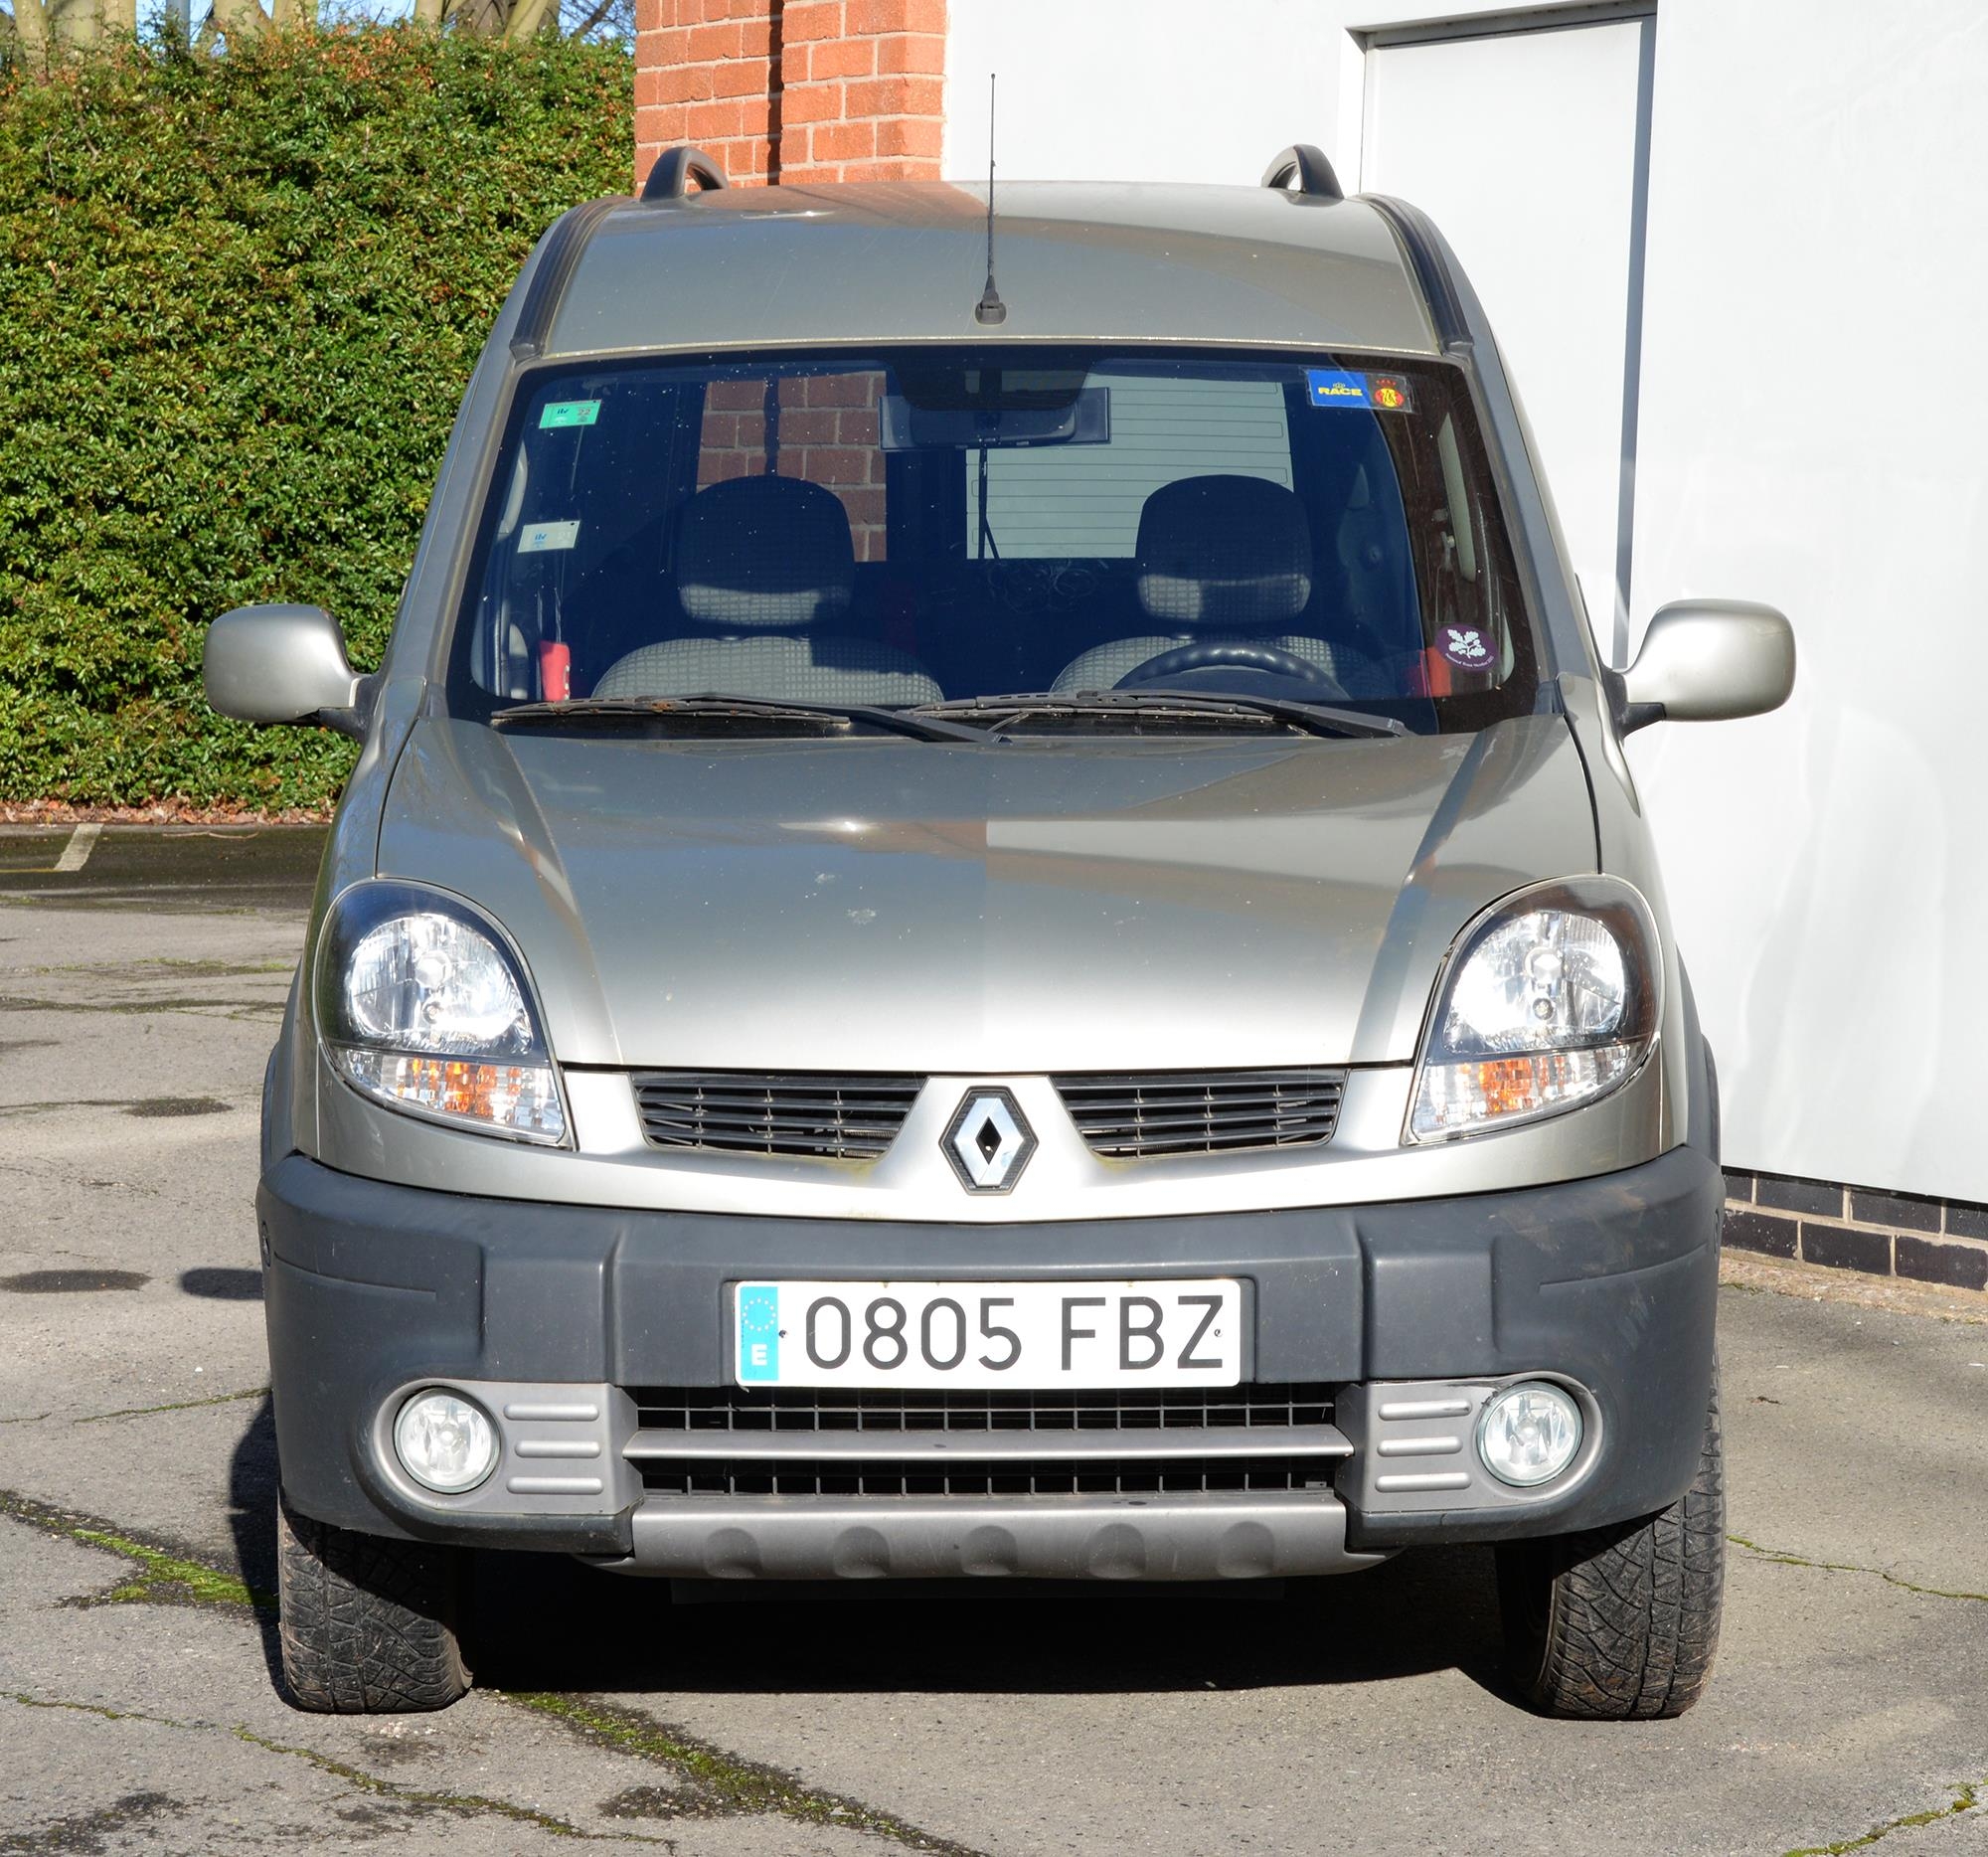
{"x":1708,"y":660}
{"x":904,"y":426}
{"x":282,"y":664}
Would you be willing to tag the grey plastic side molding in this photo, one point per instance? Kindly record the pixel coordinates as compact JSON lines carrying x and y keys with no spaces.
{"x":1227,"y":1536}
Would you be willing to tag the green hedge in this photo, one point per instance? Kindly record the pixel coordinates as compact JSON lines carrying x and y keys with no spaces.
{"x":240,"y":298}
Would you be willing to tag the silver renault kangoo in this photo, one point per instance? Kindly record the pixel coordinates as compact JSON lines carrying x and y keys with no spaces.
{"x":991,"y":923}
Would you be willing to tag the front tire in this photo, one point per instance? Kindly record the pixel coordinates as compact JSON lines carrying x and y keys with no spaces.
{"x":1621,"y":1623}
{"x":367,"y":1624}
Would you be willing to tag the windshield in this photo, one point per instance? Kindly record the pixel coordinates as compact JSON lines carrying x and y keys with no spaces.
{"x":948,"y":524}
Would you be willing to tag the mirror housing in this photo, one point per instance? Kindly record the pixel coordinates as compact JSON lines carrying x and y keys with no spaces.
{"x":1708,"y":660}
{"x":283,"y":664}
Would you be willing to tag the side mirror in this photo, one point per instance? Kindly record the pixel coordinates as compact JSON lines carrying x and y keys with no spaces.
{"x":283,"y":664}
{"x":1708,"y":660}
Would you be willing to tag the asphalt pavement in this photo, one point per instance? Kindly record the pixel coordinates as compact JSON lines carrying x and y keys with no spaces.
{"x":140,"y":986}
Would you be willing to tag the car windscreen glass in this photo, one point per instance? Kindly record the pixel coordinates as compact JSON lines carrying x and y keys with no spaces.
{"x":948,"y":523}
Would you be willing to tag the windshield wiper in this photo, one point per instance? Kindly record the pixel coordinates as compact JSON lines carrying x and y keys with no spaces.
{"x":942,"y":722}
{"x":1155,"y":705}
{"x":648,"y":712}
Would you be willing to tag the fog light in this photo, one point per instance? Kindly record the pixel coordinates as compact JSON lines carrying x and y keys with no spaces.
{"x":444,"y":1441}
{"x":1529,"y":1433}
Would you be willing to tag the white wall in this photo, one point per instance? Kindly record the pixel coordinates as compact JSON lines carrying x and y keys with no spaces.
{"x":1813,"y":425}
{"x":1137,"y":89}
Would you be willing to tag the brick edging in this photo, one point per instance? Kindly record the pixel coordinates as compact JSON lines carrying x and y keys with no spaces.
{"x":1851,"y":1228}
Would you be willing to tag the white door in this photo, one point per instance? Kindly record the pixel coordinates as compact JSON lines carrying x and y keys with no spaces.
{"x":1528,"y":147}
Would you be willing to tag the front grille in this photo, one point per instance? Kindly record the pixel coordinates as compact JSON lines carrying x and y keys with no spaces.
{"x":1131,"y":1118}
{"x":820,"y":1117}
{"x":843,"y":1476}
{"x":1271,"y":1405}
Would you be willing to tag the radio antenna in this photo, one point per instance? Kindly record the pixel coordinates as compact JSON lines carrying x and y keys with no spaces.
{"x":990,"y":309}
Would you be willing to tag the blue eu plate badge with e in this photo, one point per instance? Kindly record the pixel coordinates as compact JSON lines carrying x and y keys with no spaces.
{"x":758,"y":1331}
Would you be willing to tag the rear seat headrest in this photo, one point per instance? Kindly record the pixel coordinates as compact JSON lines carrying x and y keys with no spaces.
{"x":1223,"y":553}
{"x":763,"y":554}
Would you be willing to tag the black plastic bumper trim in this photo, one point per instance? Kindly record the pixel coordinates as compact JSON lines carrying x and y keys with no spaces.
{"x":1610,"y":1281}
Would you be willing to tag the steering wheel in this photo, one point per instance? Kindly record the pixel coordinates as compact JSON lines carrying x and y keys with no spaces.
{"x":1246,"y":654}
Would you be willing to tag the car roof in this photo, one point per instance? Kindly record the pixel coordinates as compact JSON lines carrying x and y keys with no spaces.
{"x":871,"y":263}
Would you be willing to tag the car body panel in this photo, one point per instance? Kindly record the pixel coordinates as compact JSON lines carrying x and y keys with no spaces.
{"x":801,"y":265}
{"x":874,"y":904}
{"x":986,"y":915}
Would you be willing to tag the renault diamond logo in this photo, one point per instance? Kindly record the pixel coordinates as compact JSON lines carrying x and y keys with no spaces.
{"x":989,"y":1143}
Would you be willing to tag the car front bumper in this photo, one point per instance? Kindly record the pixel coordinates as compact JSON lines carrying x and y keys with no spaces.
{"x":1407,"y":1317}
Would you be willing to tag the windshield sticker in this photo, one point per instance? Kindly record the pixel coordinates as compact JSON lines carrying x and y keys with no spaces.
{"x":1392,"y":393}
{"x":1334,"y":387}
{"x":568,"y":412}
{"x":1464,"y":646}
{"x":1339,"y":387}
{"x":547,"y":537}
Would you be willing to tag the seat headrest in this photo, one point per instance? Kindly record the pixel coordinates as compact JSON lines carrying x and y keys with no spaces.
{"x":763,"y":554}
{"x":1223,"y":553}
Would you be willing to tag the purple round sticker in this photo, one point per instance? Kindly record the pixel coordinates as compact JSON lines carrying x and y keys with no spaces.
{"x":1466,"y":648}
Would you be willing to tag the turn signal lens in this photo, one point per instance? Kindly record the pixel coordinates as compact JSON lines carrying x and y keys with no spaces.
{"x":521,"y":1098}
{"x":1529,"y":1433}
{"x":444,"y":1441}
{"x":1459,"y":1096}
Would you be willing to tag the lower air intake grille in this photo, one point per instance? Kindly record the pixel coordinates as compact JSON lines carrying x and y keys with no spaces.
{"x":819,"y":1117}
{"x":1131,"y":1118}
{"x":859,"y":1477}
{"x":1189,"y":1417}
{"x":1274,"y":1406}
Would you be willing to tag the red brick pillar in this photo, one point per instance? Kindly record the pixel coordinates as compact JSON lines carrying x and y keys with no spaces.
{"x":707,"y":73}
{"x":865,"y":90}
{"x":793,"y":90}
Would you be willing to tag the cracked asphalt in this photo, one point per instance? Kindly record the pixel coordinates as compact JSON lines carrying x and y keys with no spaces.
{"x":138,"y":1713}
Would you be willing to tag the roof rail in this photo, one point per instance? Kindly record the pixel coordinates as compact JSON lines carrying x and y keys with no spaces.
{"x":669,"y":180}
{"x":1308,"y":168}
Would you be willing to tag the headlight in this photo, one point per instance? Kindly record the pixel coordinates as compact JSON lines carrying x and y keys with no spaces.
{"x":1549,"y":999}
{"x":422,"y":1005}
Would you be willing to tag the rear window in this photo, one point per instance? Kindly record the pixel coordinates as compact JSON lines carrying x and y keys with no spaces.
{"x":940,"y":524}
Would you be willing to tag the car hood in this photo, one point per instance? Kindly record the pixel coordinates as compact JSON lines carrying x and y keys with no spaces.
{"x":1052,"y":904}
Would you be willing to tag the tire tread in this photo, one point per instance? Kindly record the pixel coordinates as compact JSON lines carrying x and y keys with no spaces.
{"x":366,"y":1624}
{"x":1629,"y":1625}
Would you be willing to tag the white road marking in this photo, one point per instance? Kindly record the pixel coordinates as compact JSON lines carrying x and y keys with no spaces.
{"x":82,"y":842}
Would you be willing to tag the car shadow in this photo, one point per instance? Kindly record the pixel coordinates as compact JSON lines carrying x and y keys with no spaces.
{"x":251,"y":1519}
{"x":548,"y":1623}
{"x":218,"y":1283}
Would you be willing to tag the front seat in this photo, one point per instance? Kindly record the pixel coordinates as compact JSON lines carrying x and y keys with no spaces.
{"x":761,"y":561}
{"x":1223,"y":558}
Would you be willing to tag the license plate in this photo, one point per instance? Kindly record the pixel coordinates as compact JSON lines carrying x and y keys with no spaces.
{"x":1172,"y":1332}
